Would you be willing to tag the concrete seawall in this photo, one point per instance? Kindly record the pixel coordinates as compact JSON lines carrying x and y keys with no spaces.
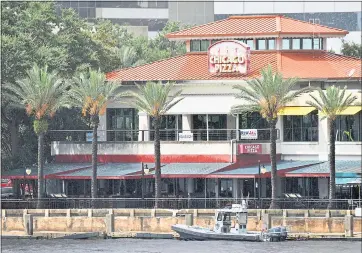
{"x":160,"y":220}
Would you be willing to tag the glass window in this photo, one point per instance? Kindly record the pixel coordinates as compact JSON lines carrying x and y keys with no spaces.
{"x":91,"y":12}
{"x":204,"y":45}
{"x":83,"y":4}
{"x":253,"y":120}
{"x":74,"y":4}
{"x":318,"y":43}
{"x":214,"y":41}
{"x":348,"y":127}
{"x":123,"y":122}
{"x":250,"y":43}
{"x":271,"y":44}
{"x":195,"y":45}
{"x":307,"y":43}
{"x":261,"y":44}
{"x":301,"y":128}
{"x":199,"y":126}
{"x":83,"y":12}
{"x":286,"y":44}
{"x":296,"y":43}
{"x":217,"y":127}
{"x":162,"y":4}
{"x":169,"y":127}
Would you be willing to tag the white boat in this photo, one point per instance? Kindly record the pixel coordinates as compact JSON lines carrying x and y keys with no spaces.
{"x":223,"y":230}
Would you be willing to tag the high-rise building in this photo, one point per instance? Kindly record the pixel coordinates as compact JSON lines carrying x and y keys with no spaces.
{"x":144,"y":17}
{"x":344,"y":15}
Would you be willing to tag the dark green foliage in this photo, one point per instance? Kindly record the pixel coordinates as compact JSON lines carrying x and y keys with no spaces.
{"x":351,"y":49}
{"x":32,"y":32}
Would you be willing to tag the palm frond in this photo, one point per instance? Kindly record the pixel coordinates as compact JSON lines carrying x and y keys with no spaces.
{"x":155,"y":99}
{"x":41,"y":92}
{"x":332,"y":102}
{"x":91,"y":92}
{"x":268,"y":94}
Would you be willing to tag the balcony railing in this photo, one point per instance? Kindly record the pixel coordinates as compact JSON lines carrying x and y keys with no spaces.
{"x":148,"y":135}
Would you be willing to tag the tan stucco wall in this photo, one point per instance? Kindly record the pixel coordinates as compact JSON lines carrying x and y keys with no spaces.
{"x":129,"y":220}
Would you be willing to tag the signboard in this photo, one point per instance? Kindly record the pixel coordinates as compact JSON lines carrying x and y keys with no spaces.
{"x":250,"y":149}
{"x":229,"y":56}
{"x":186,"y":136}
{"x":248,"y":134}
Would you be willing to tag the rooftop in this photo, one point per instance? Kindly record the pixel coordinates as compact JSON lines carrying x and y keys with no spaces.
{"x":306,"y":64}
{"x":244,"y":26}
{"x":254,"y":170}
{"x":343,"y":169}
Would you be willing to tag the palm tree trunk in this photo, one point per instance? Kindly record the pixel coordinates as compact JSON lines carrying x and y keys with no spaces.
{"x":273,"y":159}
{"x":40,"y":170}
{"x":94,"y":188}
{"x":332,"y":164}
{"x":157,"y":144}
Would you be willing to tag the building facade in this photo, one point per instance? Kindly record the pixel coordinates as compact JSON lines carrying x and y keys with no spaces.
{"x":344,"y":15}
{"x":144,"y":18}
{"x":208,"y":152}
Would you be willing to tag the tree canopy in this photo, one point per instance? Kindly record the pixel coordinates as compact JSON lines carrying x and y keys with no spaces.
{"x":351,"y":49}
{"x":35,"y":33}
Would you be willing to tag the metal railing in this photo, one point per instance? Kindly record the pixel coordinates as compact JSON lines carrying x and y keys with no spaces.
{"x":148,"y":135}
{"x":174,"y":203}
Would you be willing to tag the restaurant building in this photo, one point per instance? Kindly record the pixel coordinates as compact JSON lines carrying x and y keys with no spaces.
{"x":207,"y":151}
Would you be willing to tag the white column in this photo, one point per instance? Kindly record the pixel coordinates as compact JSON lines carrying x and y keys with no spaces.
{"x":190,"y":185}
{"x":230,"y":125}
{"x":186,"y":122}
{"x":323,"y":139}
{"x":63,"y":186}
{"x":102,"y":134}
{"x":143,"y":124}
{"x":207,"y":127}
{"x":323,"y":188}
{"x":235,"y":188}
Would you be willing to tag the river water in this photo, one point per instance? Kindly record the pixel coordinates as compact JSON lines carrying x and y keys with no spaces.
{"x":175,"y":246}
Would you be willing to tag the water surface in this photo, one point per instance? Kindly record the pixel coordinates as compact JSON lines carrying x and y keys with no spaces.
{"x":175,"y":246}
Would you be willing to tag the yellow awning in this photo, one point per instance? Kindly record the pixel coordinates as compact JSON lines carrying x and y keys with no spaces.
{"x":350,"y":110}
{"x":296,"y":110}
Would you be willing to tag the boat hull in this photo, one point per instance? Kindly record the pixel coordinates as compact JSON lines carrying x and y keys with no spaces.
{"x":202,"y":234}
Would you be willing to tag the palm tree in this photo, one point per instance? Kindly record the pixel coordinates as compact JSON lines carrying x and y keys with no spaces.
{"x":155,"y":99}
{"x":42,"y":94}
{"x":268,"y":95}
{"x":330,"y":103}
{"x":92,"y":93}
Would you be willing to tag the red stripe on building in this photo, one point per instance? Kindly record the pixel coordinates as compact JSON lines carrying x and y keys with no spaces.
{"x":145,"y":158}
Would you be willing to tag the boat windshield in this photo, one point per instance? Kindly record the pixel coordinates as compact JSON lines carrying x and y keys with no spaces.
{"x":223,"y":217}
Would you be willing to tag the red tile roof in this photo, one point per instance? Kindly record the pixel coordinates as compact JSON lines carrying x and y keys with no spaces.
{"x":194,"y":66}
{"x":239,"y":26}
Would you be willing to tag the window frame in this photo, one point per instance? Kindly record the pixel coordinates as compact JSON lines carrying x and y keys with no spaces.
{"x":301,"y":47}
{"x":297,"y":130}
{"x":340,"y":133}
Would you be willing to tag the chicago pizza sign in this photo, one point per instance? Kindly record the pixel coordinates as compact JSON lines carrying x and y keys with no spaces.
{"x":229,"y":56}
